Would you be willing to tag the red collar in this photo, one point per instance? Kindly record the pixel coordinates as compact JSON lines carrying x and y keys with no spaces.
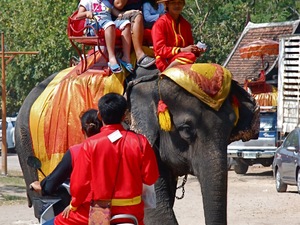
{"x":112,"y":127}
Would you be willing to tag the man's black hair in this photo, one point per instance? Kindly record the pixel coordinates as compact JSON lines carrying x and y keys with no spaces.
{"x":112,"y":108}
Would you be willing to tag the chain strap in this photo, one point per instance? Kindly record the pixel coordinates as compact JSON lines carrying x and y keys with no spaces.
{"x":182,"y":186}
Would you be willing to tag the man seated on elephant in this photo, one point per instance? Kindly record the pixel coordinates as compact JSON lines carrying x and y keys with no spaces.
{"x":114,"y":164}
{"x":172,"y":37}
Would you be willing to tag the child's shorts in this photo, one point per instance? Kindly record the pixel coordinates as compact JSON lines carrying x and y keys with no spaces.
{"x":120,"y":24}
{"x":103,"y":22}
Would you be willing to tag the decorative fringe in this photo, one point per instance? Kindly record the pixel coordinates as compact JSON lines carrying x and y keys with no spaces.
{"x":164,"y":118}
{"x":235,"y":105}
{"x":266,"y":99}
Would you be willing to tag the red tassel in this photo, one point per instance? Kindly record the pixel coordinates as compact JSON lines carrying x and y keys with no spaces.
{"x":162,"y":107}
{"x":164,"y":118}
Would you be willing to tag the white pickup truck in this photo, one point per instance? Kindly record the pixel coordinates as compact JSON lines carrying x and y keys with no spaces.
{"x":260,"y":150}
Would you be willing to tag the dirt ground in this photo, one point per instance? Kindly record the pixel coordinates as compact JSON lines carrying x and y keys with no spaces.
{"x":252,"y":199}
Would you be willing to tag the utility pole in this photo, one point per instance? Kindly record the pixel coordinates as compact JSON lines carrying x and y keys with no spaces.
{"x":9,"y":56}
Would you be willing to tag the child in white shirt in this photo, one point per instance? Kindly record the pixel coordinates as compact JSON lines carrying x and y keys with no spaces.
{"x":98,"y":14}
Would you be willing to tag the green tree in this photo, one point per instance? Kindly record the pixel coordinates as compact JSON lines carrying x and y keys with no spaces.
{"x":220,"y":23}
{"x":40,"y":25}
{"x":34,"y":25}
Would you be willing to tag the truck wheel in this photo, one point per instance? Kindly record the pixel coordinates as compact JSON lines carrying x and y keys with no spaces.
{"x":267,"y":163}
{"x":280,"y":186}
{"x":229,"y":162}
{"x":240,"y":167}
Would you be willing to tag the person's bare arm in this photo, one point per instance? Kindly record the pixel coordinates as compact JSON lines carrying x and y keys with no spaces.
{"x":83,"y":13}
{"x":194,"y":49}
{"x":36,"y":186}
{"x":119,"y":13}
{"x":115,"y":12}
{"x":190,"y":48}
{"x":131,"y":11}
{"x":119,"y":4}
{"x":66,"y":212}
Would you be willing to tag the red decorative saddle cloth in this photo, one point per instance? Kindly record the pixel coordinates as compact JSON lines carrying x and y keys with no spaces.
{"x":54,"y":116}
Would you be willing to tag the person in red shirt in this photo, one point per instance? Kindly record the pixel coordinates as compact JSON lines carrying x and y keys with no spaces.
{"x":90,"y":125}
{"x":173,"y":41}
{"x":114,"y":164}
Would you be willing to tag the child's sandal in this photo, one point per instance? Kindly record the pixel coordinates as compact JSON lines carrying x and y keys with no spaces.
{"x":116,"y":68}
{"x":128,"y":66}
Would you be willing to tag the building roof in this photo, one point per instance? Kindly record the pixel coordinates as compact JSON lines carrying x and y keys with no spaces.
{"x":250,"y":68}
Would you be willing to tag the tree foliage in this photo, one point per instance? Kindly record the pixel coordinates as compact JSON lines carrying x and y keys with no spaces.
{"x":34,"y":25}
{"x":40,"y":25}
{"x":219,"y":23}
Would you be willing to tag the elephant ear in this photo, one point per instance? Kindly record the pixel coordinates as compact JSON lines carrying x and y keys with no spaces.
{"x":142,"y":98}
{"x":247,"y":126}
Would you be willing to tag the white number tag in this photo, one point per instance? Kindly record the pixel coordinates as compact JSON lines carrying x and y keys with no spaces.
{"x":116,"y":135}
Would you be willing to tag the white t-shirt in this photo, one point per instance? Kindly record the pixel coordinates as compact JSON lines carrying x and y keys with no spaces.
{"x":102,"y":7}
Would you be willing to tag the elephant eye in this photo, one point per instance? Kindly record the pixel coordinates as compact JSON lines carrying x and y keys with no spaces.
{"x":186,"y":132}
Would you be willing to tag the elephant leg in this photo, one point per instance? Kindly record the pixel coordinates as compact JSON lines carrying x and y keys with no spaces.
{"x":212,"y":175}
{"x":165,"y":188}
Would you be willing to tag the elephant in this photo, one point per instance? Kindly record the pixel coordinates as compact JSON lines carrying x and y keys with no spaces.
{"x":195,"y":144}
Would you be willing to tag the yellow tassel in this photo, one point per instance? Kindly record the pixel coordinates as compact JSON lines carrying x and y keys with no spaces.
{"x":164,"y":118}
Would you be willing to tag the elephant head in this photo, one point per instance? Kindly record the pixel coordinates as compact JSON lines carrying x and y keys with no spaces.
{"x":196,"y":142}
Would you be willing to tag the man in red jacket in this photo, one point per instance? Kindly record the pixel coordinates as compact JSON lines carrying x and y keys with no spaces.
{"x":172,"y":37}
{"x":114,"y":164}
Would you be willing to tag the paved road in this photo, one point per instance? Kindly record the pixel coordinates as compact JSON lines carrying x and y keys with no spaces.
{"x":252,"y":200}
{"x":22,"y":215}
{"x":17,"y":214}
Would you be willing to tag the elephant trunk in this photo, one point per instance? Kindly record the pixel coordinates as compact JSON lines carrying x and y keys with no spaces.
{"x":211,"y":172}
